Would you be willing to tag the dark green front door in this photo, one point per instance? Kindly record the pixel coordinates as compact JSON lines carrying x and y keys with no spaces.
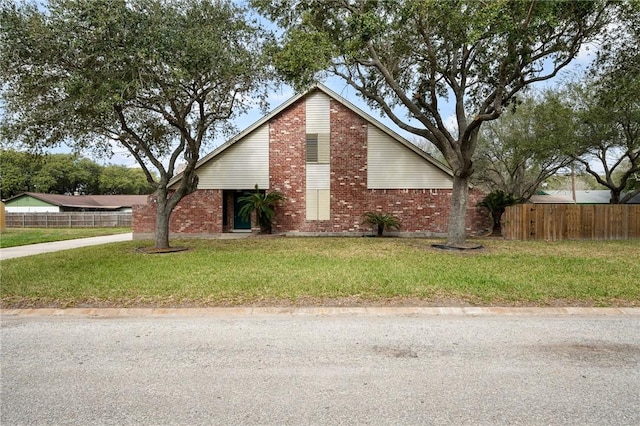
{"x":238,"y":221}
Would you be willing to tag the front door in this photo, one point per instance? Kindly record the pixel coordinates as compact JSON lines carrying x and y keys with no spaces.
{"x":239,"y":223}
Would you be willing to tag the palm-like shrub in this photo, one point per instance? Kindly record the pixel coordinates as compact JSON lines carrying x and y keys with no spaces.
{"x":263,"y":204}
{"x":382,"y":221}
{"x":497,"y":202}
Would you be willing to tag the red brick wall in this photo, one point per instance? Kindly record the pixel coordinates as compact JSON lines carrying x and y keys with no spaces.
{"x":349,"y":195}
{"x":287,"y":165}
{"x":197,"y":213}
{"x":144,"y":217}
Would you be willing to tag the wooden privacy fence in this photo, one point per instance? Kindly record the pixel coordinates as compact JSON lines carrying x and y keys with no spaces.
{"x":69,"y":220}
{"x":571,"y":222}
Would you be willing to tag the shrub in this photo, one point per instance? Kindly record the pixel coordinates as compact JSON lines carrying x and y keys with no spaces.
{"x":497,"y":202}
{"x":382,"y":221}
{"x":263,"y":204}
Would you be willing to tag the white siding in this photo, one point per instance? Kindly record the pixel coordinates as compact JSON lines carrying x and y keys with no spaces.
{"x":318,"y":204}
{"x":324,"y":150}
{"x":324,"y":204}
{"x":317,"y":113}
{"x":311,"y":198}
{"x":240,"y":166}
{"x":394,"y":166}
{"x":318,"y":176}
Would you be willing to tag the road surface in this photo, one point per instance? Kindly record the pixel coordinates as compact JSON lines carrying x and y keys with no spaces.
{"x":301,"y":368}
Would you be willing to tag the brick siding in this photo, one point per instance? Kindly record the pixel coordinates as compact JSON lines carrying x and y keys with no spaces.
{"x":198,"y":213}
{"x":287,"y":166}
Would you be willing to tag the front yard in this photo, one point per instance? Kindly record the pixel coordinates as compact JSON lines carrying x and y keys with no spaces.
{"x":280,"y":271}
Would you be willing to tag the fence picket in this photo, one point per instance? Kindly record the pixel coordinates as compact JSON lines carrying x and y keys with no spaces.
{"x":69,"y":220}
{"x":556,"y":222}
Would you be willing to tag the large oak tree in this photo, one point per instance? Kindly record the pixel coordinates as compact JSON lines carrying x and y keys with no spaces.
{"x":525,"y":146}
{"x":607,"y":116}
{"x":413,"y":59}
{"x":159,"y":78}
{"x":607,"y":108}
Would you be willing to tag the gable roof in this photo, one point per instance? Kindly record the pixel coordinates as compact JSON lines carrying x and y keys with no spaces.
{"x":107,"y":202}
{"x":333,"y":95}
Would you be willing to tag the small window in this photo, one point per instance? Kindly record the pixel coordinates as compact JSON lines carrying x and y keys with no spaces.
{"x":312,"y":148}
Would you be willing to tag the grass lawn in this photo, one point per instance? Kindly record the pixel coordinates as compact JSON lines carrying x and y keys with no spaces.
{"x":285,"y":271}
{"x":13,"y":237}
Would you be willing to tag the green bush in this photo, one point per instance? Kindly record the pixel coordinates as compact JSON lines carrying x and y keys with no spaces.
{"x":263,"y":204}
{"x":497,"y":202}
{"x":382,"y":221}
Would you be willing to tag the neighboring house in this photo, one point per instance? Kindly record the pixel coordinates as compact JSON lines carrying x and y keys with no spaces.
{"x":31,"y":202}
{"x":332,"y":161}
{"x":592,"y":196}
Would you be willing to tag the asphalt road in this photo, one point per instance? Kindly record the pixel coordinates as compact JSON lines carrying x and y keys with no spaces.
{"x":312,"y":369}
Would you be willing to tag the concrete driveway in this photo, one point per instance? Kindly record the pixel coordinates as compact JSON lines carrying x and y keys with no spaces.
{"x":252,"y":367}
{"x":32,"y":249}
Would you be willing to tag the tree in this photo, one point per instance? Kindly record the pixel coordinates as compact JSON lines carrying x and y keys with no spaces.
{"x":115,"y":180}
{"x":608,"y":111}
{"x":22,"y":171}
{"x":87,"y":176}
{"x":497,"y":202}
{"x":15,"y":173}
{"x":609,"y":136}
{"x":158,"y":78}
{"x":263,"y":204}
{"x":50,"y":173}
{"x":407,"y":58}
{"x":65,"y":174}
{"x":525,"y":146}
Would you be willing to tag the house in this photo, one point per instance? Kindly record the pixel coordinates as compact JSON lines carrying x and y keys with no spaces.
{"x":332,"y":161}
{"x":32,"y":202}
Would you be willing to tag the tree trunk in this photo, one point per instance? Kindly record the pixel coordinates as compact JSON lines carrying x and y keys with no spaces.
{"x":615,"y":197}
{"x":497,"y":223}
{"x":380,"y":229}
{"x":162,"y":224}
{"x":456,"y":234}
